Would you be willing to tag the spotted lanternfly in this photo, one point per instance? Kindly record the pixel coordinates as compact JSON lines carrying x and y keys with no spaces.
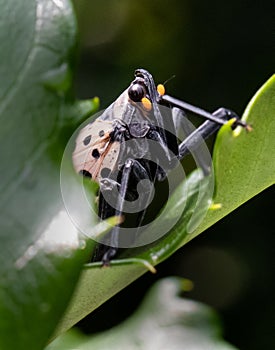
{"x":103,"y":154}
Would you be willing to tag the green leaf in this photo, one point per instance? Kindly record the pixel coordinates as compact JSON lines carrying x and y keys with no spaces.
{"x":41,"y":252}
{"x":239,"y":175}
{"x":163,"y":321}
{"x":245,"y":162}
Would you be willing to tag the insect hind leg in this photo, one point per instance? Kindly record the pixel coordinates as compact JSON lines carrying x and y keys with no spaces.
{"x":134,"y":170}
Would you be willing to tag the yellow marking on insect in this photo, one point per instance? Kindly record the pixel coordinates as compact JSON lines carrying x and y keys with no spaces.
{"x":146,"y":103}
{"x":161,"y":89}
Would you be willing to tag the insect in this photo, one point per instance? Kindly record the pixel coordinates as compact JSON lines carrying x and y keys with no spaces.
{"x":113,"y":149}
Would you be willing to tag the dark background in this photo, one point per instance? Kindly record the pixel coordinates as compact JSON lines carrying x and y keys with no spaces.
{"x":221,"y":53}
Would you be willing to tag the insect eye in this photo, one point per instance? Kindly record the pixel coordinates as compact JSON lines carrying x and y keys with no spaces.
{"x":136,"y":92}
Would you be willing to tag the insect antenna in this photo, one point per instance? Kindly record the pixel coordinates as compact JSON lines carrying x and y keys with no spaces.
{"x":169,"y":79}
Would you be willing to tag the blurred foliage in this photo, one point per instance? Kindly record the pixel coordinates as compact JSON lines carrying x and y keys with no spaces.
{"x":163,"y":321}
{"x":41,"y":253}
{"x":221,"y":53}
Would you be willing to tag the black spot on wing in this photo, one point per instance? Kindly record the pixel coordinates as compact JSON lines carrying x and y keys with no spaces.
{"x":95,"y":153}
{"x":105,"y":172}
{"x":85,"y":173}
{"x":101,"y":133}
{"x":87,"y":140}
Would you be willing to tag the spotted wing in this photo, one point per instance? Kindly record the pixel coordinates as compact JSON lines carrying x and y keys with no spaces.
{"x":95,"y":151}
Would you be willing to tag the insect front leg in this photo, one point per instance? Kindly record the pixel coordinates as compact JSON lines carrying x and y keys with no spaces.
{"x":199,"y":150}
{"x":214,"y":117}
{"x":192,"y":142}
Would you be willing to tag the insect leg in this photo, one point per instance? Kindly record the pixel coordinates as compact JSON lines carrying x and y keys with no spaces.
{"x":136,"y":171}
{"x":193,"y":142}
{"x":174,"y":102}
{"x":111,"y":252}
{"x":184,"y":130}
